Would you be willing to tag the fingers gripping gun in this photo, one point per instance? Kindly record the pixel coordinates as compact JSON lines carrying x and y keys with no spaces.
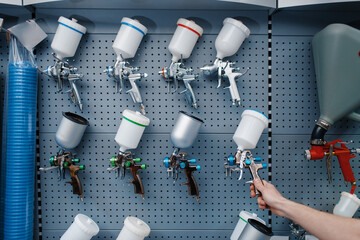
{"x":244,"y":159}
{"x":226,"y":70}
{"x":125,"y":160}
{"x":61,"y":71}
{"x":66,"y":160}
{"x":176,"y":72}
{"x":343,"y":154}
{"x":123,"y":71}
{"x":179,"y":161}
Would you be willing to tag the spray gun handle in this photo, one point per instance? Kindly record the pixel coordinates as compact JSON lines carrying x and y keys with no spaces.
{"x":75,"y":181}
{"x":344,"y":161}
{"x":254,"y":168}
{"x":138,"y":185}
{"x":233,"y":89}
{"x":190,"y":95}
{"x":134,"y":91}
{"x":74,"y":94}
{"x":191,"y":183}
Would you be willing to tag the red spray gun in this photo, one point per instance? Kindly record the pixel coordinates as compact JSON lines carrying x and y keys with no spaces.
{"x":320,"y":149}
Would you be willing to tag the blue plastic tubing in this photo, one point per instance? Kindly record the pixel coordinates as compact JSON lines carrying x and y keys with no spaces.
{"x":20,"y":151}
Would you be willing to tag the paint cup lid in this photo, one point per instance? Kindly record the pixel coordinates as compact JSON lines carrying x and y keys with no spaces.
{"x":137,"y":226}
{"x":135,"y":23}
{"x":86,"y":224}
{"x":192,"y":25}
{"x":239,"y":25}
{"x":256,"y":114}
{"x":136,"y":118}
{"x":352,"y":197}
{"x":72,"y":24}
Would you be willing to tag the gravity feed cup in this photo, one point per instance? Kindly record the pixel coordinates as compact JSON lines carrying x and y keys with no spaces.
{"x":128,"y":39}
{"x":185,"y":130}
{"x":83,"y":228}
{"x":347,"y":205}
{"x":230,"y":38}
{"x":134,"y":229}
{"x":71,"y":130}
{"x":244,"y":216}
{"x":255,"y":230}
{"x":67,"y":37}
{"x":249,"y":131}
{"x":184,"y":39}
{"x":131,"y":130}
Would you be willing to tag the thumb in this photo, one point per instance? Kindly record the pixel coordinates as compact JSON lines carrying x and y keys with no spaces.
{"x":259,"y":185}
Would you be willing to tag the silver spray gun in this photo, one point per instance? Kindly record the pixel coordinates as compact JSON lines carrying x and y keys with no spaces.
{"x":183,"y":135}
{"x":181,"y":46}
{"x":246,"y":137}
{"x":228,"y":42}
{"x":68,"y":136}
{"x":64,"y":44}
{"x":125,"y":45}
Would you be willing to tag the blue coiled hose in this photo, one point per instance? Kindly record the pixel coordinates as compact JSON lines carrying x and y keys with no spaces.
{"x":20,"y":151}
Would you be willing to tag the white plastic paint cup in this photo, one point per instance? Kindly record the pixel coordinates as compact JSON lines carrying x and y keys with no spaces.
{"x":83,"y":228}
{"x":230,"y":38}
{"x":347,"y":205}
{"x":67,"y":37}
{"x":184,"y":39}
{"x":131,"y":130}
{"x":249,"y":131}
{"x":134,"y":229}
{"x":128,"y":39}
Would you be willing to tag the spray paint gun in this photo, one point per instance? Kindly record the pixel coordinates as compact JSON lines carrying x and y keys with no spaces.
{"x":68,"y":136}
{"x":183,"y":135}
{"x":128,"y":136}
{"x":336,"y":78}
{"x":64,"y":44}
{"x":227,"y":43}
{"x":321,"y":149}
{"x":181,"y":46}
{"x":247,"y":136}
{"x":125,"y":45}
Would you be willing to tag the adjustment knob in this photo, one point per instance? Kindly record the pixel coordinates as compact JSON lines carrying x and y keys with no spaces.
{"x":127,"y":164}
{"x":264,"y":165}
{"x":231,"y":160}
{"x":137,"y":159}
{"x":198,"y":167}
{"x":257,"y":159}
{"x":82,"y":167}
{"x":143,"y":166}
{"x":113,"y":161}
{"x":166,"y":162}
{"x":192,"y":160}
{"x":182,"y":165}
{"x":52,"y":161}
{"x":248,"y":161}
{"x":76,"y":160}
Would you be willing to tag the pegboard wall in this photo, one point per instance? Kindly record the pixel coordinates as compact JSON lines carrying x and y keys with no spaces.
{"x":288,"y":95}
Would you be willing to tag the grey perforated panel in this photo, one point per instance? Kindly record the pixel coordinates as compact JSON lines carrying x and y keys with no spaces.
{"x":167,"y":206}
{"x":103,"y":107}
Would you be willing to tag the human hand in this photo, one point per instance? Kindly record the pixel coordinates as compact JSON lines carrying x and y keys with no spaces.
{"x":270,"y":197}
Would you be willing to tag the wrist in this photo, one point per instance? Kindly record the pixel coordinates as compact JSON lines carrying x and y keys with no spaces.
{"x":283,"y":205}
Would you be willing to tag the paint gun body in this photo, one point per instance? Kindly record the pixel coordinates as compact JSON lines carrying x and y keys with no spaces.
{"x":61,"y":71}
{"x":66,"y":160}
{"x":121,"y":72}
{"x":177,"y":72}
{"x":177,"y":162}
{"x":124,"y":161}
{"x":226,"y":70}
{"x":343,"y":154}
{"x":244,"y":159}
